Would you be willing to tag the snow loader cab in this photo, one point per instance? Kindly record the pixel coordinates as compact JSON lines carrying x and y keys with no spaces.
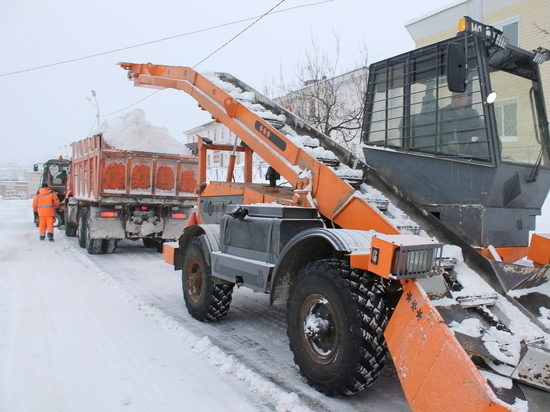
{"x":461,"y":126}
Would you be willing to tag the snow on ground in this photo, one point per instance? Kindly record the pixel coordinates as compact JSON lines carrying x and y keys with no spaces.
{"x":70,"y":343}
{"x":110,"y":333}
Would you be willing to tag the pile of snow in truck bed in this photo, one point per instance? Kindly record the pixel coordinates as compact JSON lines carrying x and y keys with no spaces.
{"x":132,"y":131}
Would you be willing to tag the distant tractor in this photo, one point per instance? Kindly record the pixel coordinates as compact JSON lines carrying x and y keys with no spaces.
{"x":55,"y":172}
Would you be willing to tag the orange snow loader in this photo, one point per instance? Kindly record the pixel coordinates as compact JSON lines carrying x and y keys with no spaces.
{"x":411,"y":252}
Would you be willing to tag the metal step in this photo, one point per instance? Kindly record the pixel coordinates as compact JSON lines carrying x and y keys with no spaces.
{"x":380,"y":204}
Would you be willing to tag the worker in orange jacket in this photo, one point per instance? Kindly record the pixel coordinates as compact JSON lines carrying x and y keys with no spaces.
{"x":45,"y":204}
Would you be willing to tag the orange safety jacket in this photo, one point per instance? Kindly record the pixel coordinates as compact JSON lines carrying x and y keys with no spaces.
{"x":45,"y":202}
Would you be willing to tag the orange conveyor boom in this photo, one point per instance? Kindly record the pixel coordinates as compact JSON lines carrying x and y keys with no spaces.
{"x":335,"y":198}
{"x":434,"y":370}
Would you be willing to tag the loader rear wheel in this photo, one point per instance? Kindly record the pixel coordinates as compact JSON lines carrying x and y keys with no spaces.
{"x":205,"y":300}
{"x":336,"y":319}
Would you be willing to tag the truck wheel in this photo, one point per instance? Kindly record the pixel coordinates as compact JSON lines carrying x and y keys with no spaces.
{"x":93,"y":246}
{"x":148,"y":242}
{"x":82,"y":219}
{"x":58,"y":220}
{"x":205,"y":300}
{"x":336,"y":320}
{"x":158,"y":245}
{"x":108,"y":245}
{"x":71,"y":229}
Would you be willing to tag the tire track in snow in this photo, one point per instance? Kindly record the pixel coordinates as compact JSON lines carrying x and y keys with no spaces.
{"x":277,"y":397}
{"x":250,"y":343}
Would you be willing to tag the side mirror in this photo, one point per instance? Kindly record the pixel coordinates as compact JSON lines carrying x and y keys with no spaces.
{"x":456,"y":68}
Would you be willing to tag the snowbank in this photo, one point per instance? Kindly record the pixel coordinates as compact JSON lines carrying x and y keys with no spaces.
{"x":132,"y":131}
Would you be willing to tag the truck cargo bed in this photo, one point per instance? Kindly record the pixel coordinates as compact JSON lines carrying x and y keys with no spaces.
{"x":101,"y":172}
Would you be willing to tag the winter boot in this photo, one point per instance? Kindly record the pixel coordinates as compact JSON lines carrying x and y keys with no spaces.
{"x":50,"y":237}
{"x":42,"y":237}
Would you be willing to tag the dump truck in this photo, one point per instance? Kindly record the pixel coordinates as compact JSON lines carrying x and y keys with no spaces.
{"x":123,"y":194}
{"x":413,"y":254}
{"x":54,"y":174}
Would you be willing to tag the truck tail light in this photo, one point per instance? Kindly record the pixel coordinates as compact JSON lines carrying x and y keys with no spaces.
{"x":179,"y":216}
{"x":144,"y":208}
{"x":108,"y":214}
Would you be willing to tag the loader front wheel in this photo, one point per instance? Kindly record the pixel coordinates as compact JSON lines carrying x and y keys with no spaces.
{"x":205,"y":300}
{"x":336,"y":318}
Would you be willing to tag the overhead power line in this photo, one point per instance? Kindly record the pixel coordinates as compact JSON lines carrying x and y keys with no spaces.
{"x":211,"y":54}
{"x":256,"y":18}
{"x":241,"y":32}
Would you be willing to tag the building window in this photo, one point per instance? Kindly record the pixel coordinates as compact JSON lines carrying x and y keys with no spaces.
{"x":510,"y":28}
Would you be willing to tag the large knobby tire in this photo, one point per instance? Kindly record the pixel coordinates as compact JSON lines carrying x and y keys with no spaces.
{"x":336,"y":319}
{"x":82,"y":221}
{"x":93,"y":246}
{"x":205,"y":300}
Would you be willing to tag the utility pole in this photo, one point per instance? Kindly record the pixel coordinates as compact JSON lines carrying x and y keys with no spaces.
{"x":476,"y":8}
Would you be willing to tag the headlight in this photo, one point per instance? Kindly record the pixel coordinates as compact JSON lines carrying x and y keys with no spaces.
{"x":414,"y":261}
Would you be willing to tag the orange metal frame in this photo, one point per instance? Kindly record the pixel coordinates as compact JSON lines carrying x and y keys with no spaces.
{"x":435,"y":371}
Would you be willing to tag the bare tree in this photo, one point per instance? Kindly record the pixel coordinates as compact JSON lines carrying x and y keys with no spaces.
{"x":331,"y":103}
{"x":545,"y":33}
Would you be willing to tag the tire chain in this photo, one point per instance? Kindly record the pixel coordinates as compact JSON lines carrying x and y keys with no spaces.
{"x":221,"y":301}
{"x":367,"y":293}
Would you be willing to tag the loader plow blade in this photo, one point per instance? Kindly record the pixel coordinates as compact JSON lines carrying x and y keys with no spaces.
{"x":505,"y":333}
{"x":532,"y":291}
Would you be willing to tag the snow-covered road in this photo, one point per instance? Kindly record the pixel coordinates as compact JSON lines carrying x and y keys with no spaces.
{"x":86,"y":332}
